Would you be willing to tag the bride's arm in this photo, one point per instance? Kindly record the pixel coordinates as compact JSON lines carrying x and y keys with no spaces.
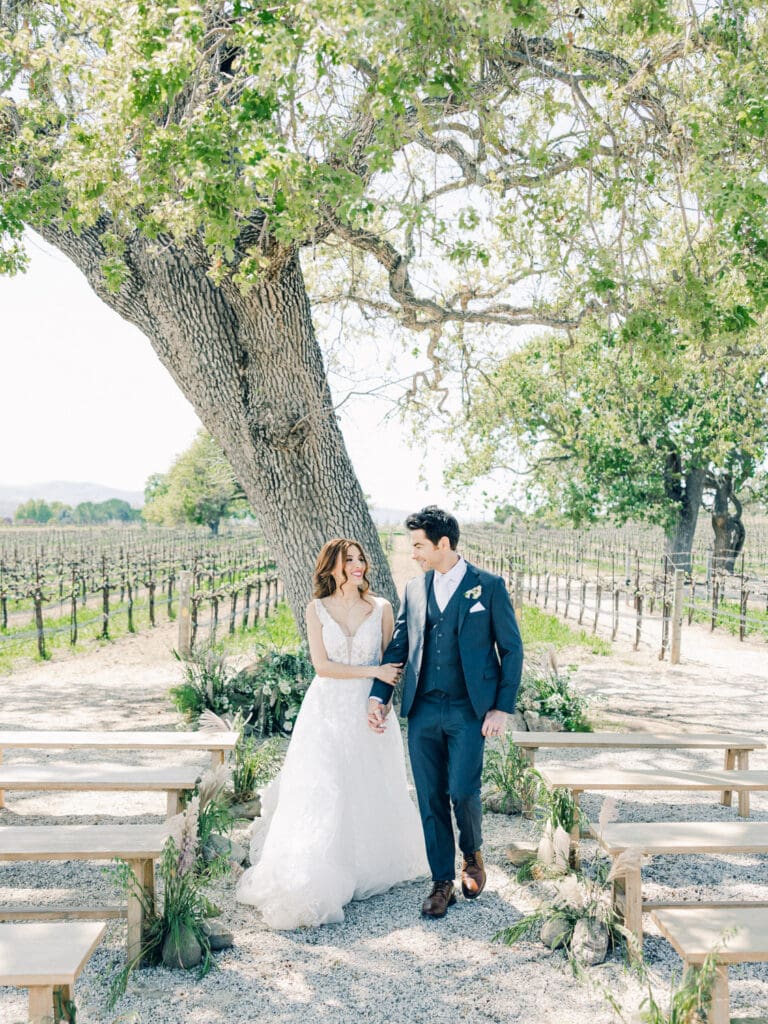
{"x":334,"y":669}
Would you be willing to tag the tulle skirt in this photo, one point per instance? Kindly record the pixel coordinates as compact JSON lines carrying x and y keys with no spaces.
{"x":338,"y":823}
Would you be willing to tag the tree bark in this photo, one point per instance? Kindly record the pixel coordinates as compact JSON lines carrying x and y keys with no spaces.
{"x":728,"y":529}
{"x":251,"y":366}
{"x":687,"y":490}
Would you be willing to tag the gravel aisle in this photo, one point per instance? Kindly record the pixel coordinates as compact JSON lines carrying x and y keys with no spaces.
{"x":383,"y":964}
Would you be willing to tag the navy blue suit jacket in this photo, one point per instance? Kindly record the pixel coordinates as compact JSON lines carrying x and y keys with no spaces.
{"x":490,"y":646}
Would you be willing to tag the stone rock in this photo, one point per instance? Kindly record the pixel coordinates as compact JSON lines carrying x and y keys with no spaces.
{"x":248,"y":809}
{"x":218,"y":936}
{"x":186,"y":952}
{"x":501,"y":803}
{"x":520,"y":853}
{"x":555,"y":932}
{"x":217,"y":846}
{"x":519,"y":723}
{"x":590,"y":941}
{"x":540,"y":723}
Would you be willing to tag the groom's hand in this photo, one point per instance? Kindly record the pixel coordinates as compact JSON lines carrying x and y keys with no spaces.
{"x":377,"y":713}
{"x":494,"y":723}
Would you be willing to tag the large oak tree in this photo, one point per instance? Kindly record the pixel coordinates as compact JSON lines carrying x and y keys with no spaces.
{"x":184,"y":154}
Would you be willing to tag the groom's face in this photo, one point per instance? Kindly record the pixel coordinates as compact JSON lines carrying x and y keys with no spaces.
{"x":431,"y":556}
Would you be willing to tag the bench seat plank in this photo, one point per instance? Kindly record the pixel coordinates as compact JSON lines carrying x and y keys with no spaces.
{"x":573,"y":777}
{"x":47,"y":954}
{"x":93,"y":777}
{"x":648,"y":740}
{"x":696,"y":931}
{"x":81,"y":842}
{"x":80,"y":740}
{"x":685,"y":837}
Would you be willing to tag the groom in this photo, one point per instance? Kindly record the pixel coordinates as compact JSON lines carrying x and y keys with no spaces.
{"x":458,"y":640}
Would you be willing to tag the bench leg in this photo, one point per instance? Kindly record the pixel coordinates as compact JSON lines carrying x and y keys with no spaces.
{"x":64,"y":992}
{"x":742,"y":765}
{"x":720,"y":1009}
{"x":627,"y":889}
{"x":173,"y":803}
{"x":217,"y":758}
{"x":2,"y":792}
{"x":728,"y":765}
{"x":575,"y":856}
{"x":40,"y":1004}
{"x":145,"y":876}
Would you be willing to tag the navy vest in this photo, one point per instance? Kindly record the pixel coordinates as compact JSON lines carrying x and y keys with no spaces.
{"x":441,"y":662}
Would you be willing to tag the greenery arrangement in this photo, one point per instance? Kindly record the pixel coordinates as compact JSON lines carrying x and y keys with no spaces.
{"x":547,"y":691}
{"x":255,"y":764}
{"x":267,"y":694}
{"x":175,"y":935}
{"x":577,"y":915}
{"x":689,"y":1003}
{"x":514,"y":783}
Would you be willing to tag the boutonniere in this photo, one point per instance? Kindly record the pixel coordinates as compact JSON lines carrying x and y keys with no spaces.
{"x":474,"y":593}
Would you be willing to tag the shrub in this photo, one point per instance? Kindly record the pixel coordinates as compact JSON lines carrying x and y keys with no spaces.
{"x":255,"y":765}
{"x":275,"y":686}
{"x":515,"y":782}
{"x":268,"y":693}
{"x":548,"y":692}
{"x":176,"y":935}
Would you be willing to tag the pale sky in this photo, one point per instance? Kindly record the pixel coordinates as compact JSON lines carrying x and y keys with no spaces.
{"x":83,"y":397}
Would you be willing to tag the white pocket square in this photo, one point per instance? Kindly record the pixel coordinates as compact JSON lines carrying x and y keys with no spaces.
{"x":477,"y":607}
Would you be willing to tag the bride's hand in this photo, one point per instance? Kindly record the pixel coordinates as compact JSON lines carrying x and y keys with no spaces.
{"x":389,"y":673}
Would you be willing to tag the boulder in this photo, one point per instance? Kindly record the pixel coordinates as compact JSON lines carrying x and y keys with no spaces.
{"x":218,"y":846}
{"x":498,"y":802}
{"x":555,"y":932}
{"x":183,"y":950}
{"x":590,"y":941}
{"x":247,"y":809}
{"x":218,"y":936}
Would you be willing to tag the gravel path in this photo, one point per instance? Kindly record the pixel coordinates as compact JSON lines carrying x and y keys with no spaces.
{"x":384,"y":964}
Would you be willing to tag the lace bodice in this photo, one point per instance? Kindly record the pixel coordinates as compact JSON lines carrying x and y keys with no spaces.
{"x":363,"y":648}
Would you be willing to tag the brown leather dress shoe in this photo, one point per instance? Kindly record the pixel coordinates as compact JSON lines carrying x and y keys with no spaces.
{"x":438,"y":901}
{"x":473,"y":875}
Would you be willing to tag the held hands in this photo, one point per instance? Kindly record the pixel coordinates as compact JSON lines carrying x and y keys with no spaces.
{"x":389,"y":673}
{"x":377,"y":714}
{"x":494,"y":723}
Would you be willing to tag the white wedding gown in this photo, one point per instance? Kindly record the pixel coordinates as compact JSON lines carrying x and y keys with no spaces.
{"x":338,"y":823}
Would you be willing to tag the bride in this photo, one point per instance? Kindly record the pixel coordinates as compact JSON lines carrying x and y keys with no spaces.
{"x":338,"y":823}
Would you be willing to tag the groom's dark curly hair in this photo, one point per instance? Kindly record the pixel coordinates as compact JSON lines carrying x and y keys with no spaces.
{"x":435,"y":523}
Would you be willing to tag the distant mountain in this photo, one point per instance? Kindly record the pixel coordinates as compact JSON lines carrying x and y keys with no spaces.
{"x":66,"y":491}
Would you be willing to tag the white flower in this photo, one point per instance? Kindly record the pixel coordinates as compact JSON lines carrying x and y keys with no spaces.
{"x":474,"y":593}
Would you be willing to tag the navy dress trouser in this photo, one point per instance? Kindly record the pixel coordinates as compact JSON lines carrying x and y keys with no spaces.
{"x":446,"y":745}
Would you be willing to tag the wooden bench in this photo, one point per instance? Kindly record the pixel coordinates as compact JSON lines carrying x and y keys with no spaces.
{"x":96,"y":778}
{"x":217,"y":742}
{"x":579,"y":780}
{"x":671,"y":837}
{"x":736,"y":748}
{"x":738,"y":934}
{"x":139,"y":845}
{"x":44,"y":958}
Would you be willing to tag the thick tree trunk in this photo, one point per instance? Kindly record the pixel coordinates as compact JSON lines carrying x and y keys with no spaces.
{"x":688,"y":492}
{"x":251,"y":366}
{"x":728,"y":529}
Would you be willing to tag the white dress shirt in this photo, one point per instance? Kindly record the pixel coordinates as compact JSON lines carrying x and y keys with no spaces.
{"x":445,"y":584}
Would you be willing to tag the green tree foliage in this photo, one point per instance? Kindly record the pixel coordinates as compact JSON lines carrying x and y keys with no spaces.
{"x":199,"y":488}
{"x":633,"y":423}
{"x":459,"y":169}
{"x":36,"y":510}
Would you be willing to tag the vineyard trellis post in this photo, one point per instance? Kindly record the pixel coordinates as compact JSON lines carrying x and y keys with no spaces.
{"x":677,"y":616}
{"x":185,"y":618}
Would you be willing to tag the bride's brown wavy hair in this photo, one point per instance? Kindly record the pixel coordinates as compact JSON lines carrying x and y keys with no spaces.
{"x":323,"y":582}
